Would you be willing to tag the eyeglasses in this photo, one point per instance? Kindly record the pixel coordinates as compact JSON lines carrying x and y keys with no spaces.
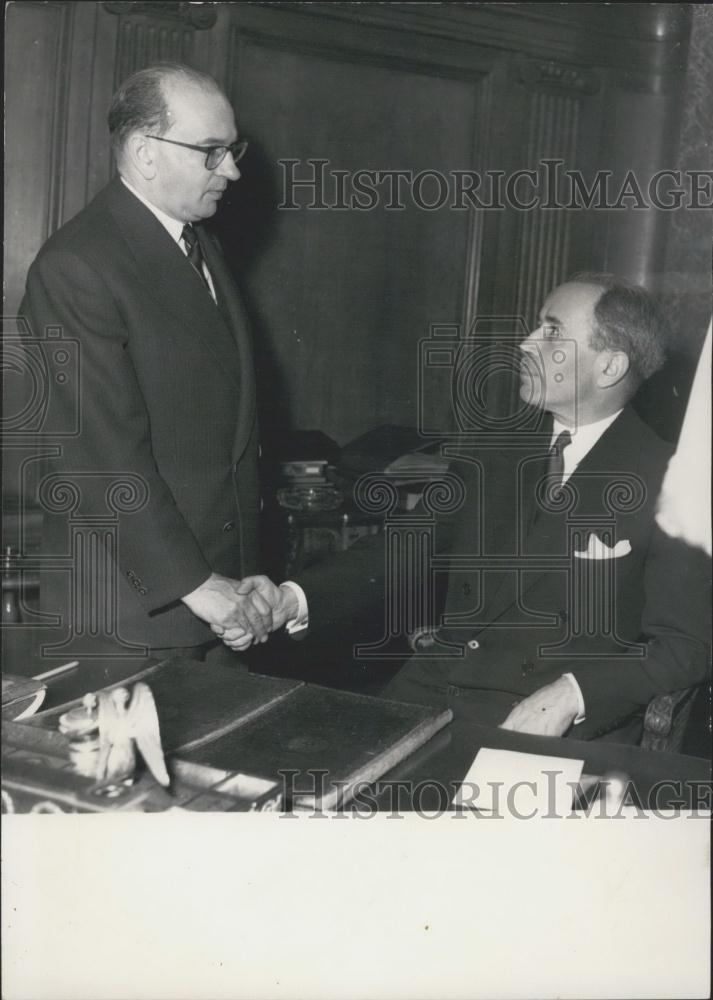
{"x":214,"y":155}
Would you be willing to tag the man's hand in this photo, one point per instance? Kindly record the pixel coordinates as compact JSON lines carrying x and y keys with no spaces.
{"x":222,"y":603}
{"x":550,"y":711}
{"x":282,"y":602}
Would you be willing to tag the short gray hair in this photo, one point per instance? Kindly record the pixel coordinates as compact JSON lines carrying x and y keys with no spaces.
{"x":140,"y":102}
{"x":627,"y":318}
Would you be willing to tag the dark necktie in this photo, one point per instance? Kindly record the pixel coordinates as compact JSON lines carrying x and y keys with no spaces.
{"x":555,"y":458}
{"x":194,"y":252}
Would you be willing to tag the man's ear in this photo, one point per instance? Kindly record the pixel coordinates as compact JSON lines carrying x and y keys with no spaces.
{"x":614,"y":368}
{"x":140,"y":153}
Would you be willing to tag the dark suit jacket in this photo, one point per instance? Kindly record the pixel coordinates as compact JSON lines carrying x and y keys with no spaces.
{"x":166,"y":403}
{"x":522,"y":608}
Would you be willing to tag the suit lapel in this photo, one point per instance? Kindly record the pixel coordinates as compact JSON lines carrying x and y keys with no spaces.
{"x":618,"y":450}
{"x":229,"y":303}
{"x":166,"y":273}
{"x":511,"y":512}
{"x":547,"y":533}
{"x":523,"y":465}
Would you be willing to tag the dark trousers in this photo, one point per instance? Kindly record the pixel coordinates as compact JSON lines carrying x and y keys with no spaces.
{"x":424,"y":681}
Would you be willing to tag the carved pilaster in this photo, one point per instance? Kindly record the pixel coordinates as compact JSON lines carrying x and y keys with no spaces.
{"x":555,"y":77}
{"x":553,"y":111}
{"x":190,"y":15}
{"x":543,"y":255}
{"x":157,"y":32}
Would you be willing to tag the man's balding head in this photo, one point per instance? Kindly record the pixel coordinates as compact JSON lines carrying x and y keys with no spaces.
{"x":142,"y":102}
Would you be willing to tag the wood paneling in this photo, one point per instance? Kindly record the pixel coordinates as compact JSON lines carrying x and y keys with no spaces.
{"x":36,"y":114}
{"x":341,"y":299}
{"x":143,"y":41}
{"x":543,"y":246}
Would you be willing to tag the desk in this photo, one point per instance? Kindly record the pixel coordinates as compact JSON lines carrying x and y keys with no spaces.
{"x":211,"y":699}
{"x":434,"y":770}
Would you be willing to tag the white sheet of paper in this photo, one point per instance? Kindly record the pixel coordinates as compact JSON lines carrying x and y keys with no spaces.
{"x":519,"y":784}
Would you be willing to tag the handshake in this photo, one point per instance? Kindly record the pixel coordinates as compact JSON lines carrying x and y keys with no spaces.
{"x":244,"y":611}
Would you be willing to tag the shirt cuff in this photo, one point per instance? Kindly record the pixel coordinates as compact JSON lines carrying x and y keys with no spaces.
{"x":581,"y":711}
{"x":301,"y":620}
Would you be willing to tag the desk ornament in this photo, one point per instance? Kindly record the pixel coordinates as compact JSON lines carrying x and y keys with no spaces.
{"x":105,"y":732}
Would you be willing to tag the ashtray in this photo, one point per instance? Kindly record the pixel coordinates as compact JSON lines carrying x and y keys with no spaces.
{"x":310,"y":499}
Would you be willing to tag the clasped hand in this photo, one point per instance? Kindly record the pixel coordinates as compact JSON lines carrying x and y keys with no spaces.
{"x":262,"y":602}
{"x":242,"y":611}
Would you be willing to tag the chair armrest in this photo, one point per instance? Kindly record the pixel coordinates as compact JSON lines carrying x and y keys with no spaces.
{"x":666,"y":718}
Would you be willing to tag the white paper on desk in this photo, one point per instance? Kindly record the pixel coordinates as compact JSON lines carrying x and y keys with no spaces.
{"x":519,"y":784}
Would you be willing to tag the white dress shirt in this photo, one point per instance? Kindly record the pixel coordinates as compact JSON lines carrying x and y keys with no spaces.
{"x":301,"y":620}
{"x":174,"y":228}
{"x":583,"y":440}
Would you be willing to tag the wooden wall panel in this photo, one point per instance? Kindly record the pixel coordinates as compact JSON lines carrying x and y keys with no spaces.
{"x":90,"y":69}
{"x":36,"y":111}
{"x":342,"y":297}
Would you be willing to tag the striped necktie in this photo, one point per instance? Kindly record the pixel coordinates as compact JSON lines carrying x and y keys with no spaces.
{"x":555,"y":457}
{"x":194,"y":252}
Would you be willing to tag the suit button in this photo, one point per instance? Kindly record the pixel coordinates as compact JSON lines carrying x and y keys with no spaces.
{"x":229,"y":525}
{"x":473,"y":644}
{"x":527,"y":666}
{"x":466,"y":588}
{"x":143,"y":591}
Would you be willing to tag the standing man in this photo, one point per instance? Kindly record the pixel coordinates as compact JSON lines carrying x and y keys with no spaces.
{"x":567,"y":609}
{"x":166,"y":443}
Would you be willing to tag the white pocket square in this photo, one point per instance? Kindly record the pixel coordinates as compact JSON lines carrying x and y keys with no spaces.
{"x":597,"y":549}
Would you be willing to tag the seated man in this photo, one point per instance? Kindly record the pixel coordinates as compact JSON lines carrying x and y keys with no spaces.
{"x":567,"y":608}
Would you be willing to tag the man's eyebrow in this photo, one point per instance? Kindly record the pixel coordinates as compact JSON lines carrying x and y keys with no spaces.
{"x":215,"y":141}
{"x":549,"y":318}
